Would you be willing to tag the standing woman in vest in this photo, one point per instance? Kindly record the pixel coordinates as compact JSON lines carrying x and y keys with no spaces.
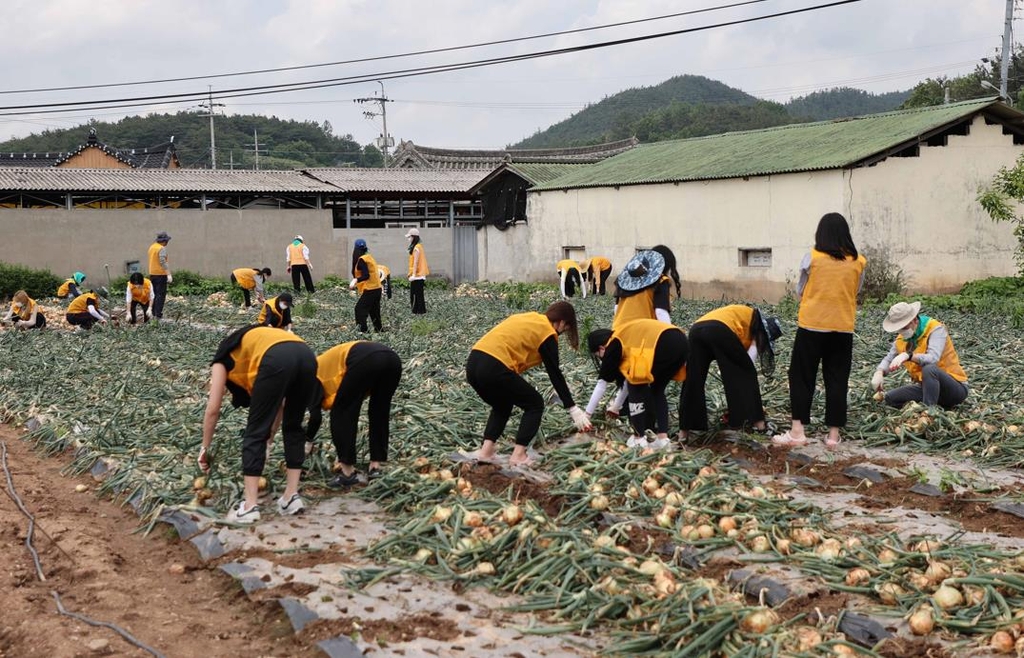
{"x":597,"y":271}
{"x":138,"y":294}
{"x":24,"y":312}
{"x":646,"y":355}
{"x":830,"y":278}
{"x":418,"y":271}
{"x":250,"y":280}
{"x":349,"y":373}
{"x":159,"y":272}
{"x":366,"y":280}
{"x":569,"y":277}
{"x":495,"y":367}
{"x":297,"y":258}
{"x":277,"y":312}
{"x":263,"y":367}
{"x":736,"y":336}
{"x":924,"y":348}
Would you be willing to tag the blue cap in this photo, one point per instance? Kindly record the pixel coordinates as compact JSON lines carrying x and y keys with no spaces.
{"x":360,"y":243}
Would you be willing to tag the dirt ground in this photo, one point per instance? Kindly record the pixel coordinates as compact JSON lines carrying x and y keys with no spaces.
{"x":102,"y":569}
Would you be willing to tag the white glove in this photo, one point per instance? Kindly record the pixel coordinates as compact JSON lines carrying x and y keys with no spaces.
{"x":876,"y":380}
{"x":170,"y":278}
{"x":149,"y":314}
{"x":580,"y":419}
{"x":898,"y":361}
{"x":352,"y":284}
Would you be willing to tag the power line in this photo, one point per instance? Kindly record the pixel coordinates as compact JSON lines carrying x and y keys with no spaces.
{"x":12,"y":110}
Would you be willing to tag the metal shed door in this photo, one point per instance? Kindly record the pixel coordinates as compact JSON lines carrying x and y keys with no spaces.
{"x":464,"y":254}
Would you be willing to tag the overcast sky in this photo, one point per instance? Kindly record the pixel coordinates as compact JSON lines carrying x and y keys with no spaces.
{"x":875,"y":45}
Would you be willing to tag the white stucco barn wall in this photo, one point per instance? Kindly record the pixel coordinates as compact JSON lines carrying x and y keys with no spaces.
{"x":922,"y":208}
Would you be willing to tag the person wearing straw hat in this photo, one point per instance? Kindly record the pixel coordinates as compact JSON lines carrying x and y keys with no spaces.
{"x":924,"y":348}
{"x":569,"y":277}
{"x":299,"y":265}
{"x":644,"y":292}
{"x":418,"y":271}
{"x":736,"y":337}
{"x":159,"y":272}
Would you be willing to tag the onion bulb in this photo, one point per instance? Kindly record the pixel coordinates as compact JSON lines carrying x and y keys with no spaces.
{"x":727,"y":523}
{"x":1001,"y":642}
{"x":922,"y":621}
{"x":947,"y":597}
{"x":441,"y":514}
{"x":938,"y":572}
{"x":760,"y":544}
{"x":512,"y":514}
{"x":759,"y":621}
{"x":809,"y":638}
{"x":599,"y":502}
{"x":890,"y":593}
{"x":857,"y":576}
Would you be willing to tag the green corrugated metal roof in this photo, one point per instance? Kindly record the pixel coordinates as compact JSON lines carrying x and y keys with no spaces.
{"x":540,"y":172}
{"x":799,"y":147}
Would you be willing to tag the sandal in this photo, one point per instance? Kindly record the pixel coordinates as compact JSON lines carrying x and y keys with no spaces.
{"x":787,"y":440}
{"x":832,"y":443}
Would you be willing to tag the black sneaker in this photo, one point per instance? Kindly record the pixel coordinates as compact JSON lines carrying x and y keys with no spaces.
{"x":375,"y":473}
{"x":341,"y":480}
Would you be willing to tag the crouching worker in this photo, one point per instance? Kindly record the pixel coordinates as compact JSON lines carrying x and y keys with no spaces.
{"x":277,"y":312}
{"x":251,"y":280}
{"x":494,"y":370}
{"x":646,"y":355}
{"x":84,"y":311}
{"x":139,"y":294}
{"x":24,"y":312}
{"x":348,"y":374}
{"x":72,"y":286}
{"x":273,"y":373}
{"x":924,"y":348}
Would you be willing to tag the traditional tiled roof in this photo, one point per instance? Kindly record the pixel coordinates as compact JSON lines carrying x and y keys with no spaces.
{"x":160,"y":156}
{"x":410,"y":155}
{"x":836,"y":144}
{"x":169,"y":181}
{"x":350,"y":179}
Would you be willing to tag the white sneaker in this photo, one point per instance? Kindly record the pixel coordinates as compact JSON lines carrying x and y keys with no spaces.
{"x":293,"y":505}
{"x":241,"y":515}
{"x":660,"y":444}
{"x":637,"y":442}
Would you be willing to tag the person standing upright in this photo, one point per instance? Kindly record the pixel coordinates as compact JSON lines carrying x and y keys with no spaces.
{"x":366,"y":280}
{"x":299,"y":265}
{"x":159,"y":272}
{"x":418,"y":272}
{"x":830,"y":277}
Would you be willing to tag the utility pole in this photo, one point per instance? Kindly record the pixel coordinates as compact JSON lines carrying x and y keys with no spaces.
{"x":209,"y":106}
{"x":384,"y":141}
{"x":1004,"y":64}
{"x":255,"y":148}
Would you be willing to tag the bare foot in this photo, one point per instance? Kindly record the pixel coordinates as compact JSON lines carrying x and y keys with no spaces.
{"x":520,"y":461}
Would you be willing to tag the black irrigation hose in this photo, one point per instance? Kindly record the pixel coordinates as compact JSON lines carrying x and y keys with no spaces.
{"x":128,"y":637}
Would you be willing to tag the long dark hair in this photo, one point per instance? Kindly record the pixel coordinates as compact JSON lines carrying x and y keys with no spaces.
{"x":356,"y":253}
{"x":565,"y":312}
{"x":412,"y":243}
{"x":670,"y":266}
{"x":760,"y":338}
{"x":833,"y":237}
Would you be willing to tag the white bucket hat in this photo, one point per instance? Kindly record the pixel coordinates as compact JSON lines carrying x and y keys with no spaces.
{"x":413,"y":232}
{"x":899,"y":315}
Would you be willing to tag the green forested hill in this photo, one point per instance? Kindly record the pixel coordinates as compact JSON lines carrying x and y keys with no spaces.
{"x":283,"y":144}
{"x":844,"y":102}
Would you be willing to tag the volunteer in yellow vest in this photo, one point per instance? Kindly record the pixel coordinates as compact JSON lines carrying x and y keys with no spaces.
{"x":645,"y":355}
{"x":494,"y":370}
{"x":72,"y":286}
{"x":159,"y":272}
{"x":569,"y":277}
{"x":366,"y":280}
{"x":277,"y":312}
{"x":644,"y":289}
{"x":24,"y":312}
{"x":418,"y":271}
{"x":384,"y":272}
{"x":596,"y":270}
{"x":736,"y":337}
{"x":138,"y":293}
{"x":830,"y":278}
{"x":273,"y":373}
{"x":250,"y":280}
{"x":299,"y":265}
{"x":924,"y":348}
{"x":84,"y":311}
{"x":349,"y":373}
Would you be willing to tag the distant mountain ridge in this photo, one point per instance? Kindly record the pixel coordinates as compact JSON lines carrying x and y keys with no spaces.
{"x":693,"y":106}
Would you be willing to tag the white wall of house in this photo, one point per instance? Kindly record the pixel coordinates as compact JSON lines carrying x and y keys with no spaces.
{"x":922,"y":208}
{"x":211,"y":242}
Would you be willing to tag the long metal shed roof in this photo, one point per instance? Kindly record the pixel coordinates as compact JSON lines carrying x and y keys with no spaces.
{"x":447,"y":181}
{"x":184,"y":181}
{"x":799,"y":147}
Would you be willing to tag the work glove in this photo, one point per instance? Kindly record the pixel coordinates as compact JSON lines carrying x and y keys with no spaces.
{"x":580,"y":419}
{"x":149,"y":314}
{"x":170,"y":278}
{"x":352,"y":284}
{"x":612,"y":412}
{"x":876,"y":380}
{"x":898,"y":361}
{"x":204,"y":460}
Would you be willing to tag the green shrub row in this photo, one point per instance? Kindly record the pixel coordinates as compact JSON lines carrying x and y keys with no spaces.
{"x":37,"y":283}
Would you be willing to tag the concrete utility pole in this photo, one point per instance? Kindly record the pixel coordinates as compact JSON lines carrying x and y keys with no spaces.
{"x":1004,"y":64}
{"x":209,"y":106}
{"x":256,"y":148}
{"x":384,"y":141}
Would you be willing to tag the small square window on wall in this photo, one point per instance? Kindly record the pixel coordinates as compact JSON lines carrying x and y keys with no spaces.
{"x":756,"y":257}
{"x":574,"y":252}
{"x":131,"y":267}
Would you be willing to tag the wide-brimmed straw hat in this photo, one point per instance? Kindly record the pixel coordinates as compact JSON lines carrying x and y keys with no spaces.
{"x":643,"y":270}
{"x":899,"y":315}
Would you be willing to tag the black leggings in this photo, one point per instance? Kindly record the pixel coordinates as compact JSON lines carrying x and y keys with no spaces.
{"x":287,"y":372}
{"x":419,"y":302}
{"x":159,"y":282}
{"x":368,"y":304}
{"x":714,"y":341}
{"x":136,"y":305}
{"x":670,"y":354}
{"x":375,"y":376}
{"x":307,"y":278}
{"x":834,"y":351}
{"x":503,"y":389}
{"x":245,"y":291}
{"x":603,"y":276}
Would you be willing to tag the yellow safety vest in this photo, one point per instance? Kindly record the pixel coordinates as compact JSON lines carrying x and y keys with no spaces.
{"x":949,"y":361}
{"x":829,"y":301}
{"x":372,"y":283}
{"x":154,"y":260}
{"x":735,"y":316}
{"x":250,"y":351}
{"x":421,"y":264}
{"x":516,"y":340}
{"x":330,"y":370}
